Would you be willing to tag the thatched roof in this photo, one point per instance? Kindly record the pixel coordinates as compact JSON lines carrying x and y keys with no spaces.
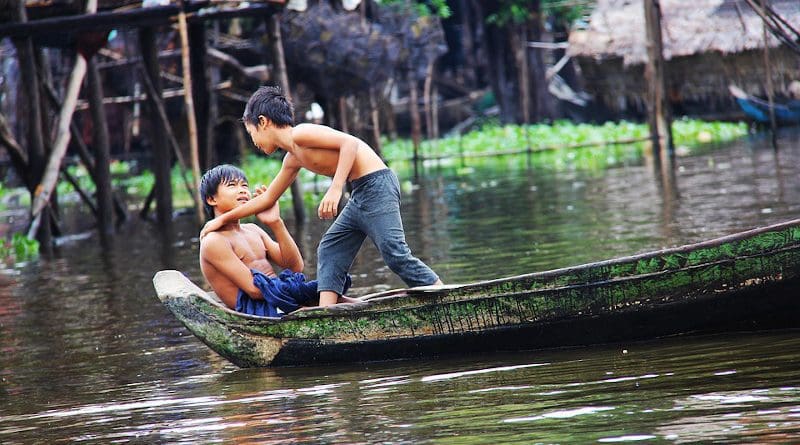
{"x":616,"y":28}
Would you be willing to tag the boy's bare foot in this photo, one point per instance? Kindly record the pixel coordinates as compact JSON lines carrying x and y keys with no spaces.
{"x":346,"y":299}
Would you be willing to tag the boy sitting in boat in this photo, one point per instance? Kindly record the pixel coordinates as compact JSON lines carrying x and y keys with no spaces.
{"x":373,"y":209}
{"x":236,"y":259}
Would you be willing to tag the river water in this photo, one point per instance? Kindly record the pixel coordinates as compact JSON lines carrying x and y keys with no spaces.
{"x":89,"y":355}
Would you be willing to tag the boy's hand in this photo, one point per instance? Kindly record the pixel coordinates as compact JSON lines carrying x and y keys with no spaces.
{"x":329,"y":206}
{"x":211,"y":226}
{"x":272,"y":214}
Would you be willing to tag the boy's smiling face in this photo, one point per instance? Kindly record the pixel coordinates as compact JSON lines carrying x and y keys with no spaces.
{"x":231,"y":193}
{"x":259,"y":134}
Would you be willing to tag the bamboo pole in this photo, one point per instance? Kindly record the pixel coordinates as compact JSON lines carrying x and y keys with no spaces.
{"x":194,"y":149}
{"x":279,"y":59}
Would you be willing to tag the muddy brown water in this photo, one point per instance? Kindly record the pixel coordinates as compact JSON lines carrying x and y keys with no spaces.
{"x":89,"y":355}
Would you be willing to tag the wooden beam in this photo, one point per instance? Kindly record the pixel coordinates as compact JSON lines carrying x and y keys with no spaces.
{"x":106,"y":20}
{"x":131,"y":18}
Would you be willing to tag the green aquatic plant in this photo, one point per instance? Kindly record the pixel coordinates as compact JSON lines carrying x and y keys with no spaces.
{"x":563,"y":144}
{"x":18,"y":249}
{"x":557,"y":146}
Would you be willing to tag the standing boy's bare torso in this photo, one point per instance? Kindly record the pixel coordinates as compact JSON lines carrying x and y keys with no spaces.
{"x":249,"y":247}
{"x":324,"y":161}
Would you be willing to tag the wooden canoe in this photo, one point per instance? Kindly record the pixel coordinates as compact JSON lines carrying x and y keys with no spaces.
{"x":744,"y":281}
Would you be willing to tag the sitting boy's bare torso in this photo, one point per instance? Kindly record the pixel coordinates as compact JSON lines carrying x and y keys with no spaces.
{"x":249,"y":247}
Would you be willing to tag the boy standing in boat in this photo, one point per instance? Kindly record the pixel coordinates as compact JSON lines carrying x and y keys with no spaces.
{"x":373,"y":209}
{"x":236,"y":259}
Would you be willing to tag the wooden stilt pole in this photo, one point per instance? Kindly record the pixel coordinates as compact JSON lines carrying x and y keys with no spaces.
{"x":416,"y":130}
{"x":83,"y":152}
{"x":659,"y":114}
{"x":426,"y":99}
{"x":279,"y":60}
{"x":83,"y":195}
{"x":343,"y":114}
{"x":190,"y":112}
{"x":770,"y":88}
{"x":155,"y":98}
{"x":376,"y":122}
{"x":35,"y":133}
{"x":7,"y":139}
{"x":520,"y":48}
{"x":102,"y":170}
{"x":201,"y":87}
{"x":50,"y":177}
{"x":158,"y":138}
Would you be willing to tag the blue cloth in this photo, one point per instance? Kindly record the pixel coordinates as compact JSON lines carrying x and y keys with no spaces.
{"x":287,"y":292}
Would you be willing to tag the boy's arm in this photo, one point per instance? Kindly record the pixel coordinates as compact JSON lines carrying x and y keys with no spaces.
{"x":284,"y":252}
{"x":282,"y":181}
{"x":218,"y":252}
{"x":320,"y":136}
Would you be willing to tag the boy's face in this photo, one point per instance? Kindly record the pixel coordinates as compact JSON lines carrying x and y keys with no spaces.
{"x":231,"y":193}
{"x":260,"y":135}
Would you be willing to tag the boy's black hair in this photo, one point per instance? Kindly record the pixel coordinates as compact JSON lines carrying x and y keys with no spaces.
{"x":213,"y":178}
{"x":270,"y":102}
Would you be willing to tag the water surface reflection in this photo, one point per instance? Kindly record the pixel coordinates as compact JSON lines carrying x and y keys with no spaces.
{"x":89,"y":354}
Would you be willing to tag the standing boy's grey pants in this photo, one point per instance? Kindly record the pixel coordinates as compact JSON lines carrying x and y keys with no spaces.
{"x":373,"y":211}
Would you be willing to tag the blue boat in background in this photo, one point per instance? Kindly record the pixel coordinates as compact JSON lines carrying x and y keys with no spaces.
{"x":787,"y":113}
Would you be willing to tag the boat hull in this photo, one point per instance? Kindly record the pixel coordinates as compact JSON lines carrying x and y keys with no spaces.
{"x":744,"y":281}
